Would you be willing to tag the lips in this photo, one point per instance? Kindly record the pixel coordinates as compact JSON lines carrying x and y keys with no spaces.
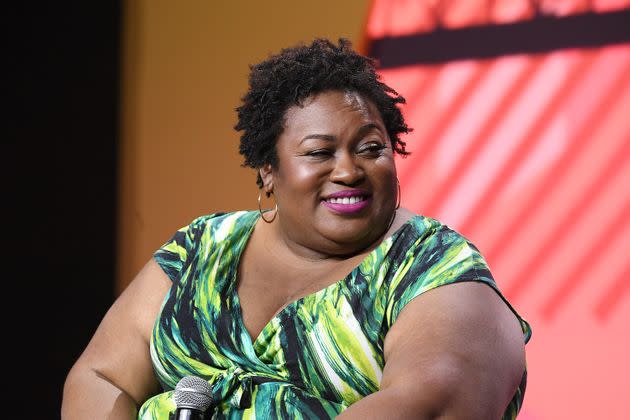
{"x":347,"y":201}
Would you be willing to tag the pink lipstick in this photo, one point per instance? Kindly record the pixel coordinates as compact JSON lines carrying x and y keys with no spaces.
{"x":347,"y":201}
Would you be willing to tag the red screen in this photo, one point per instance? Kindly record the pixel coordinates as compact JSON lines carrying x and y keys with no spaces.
{"x":528,"y":155}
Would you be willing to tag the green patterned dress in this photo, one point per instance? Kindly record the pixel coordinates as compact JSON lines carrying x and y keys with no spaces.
{"x":319,"y":354}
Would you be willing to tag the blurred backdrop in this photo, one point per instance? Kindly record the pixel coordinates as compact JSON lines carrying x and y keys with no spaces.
{"x":520,"y":109}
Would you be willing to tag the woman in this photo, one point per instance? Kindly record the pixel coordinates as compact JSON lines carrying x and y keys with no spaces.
{"x":329,"y":304}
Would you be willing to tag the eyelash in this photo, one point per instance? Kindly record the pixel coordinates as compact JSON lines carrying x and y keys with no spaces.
{"x":373,"y":148}
{"x":319,"y":154}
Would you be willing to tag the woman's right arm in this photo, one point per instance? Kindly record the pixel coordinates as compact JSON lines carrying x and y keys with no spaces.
{"x":114,"y":375}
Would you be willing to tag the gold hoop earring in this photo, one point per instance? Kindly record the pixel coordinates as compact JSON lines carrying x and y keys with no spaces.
{"x":262,"y":215}
{"x":398,"y":196}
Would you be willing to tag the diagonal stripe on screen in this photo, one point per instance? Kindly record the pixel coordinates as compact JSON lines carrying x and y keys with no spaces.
{"x":613,"y":296}
{"x":603,"y":101}
{"x":481,"y":137}
{"x":528,"y":273}
{"x":426,"y":144}
{"x":569,"y":284}
{"x":468,"y":106}
{"x":532,"y":136}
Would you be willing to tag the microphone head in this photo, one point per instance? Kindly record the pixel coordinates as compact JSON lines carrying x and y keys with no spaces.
{"x":194,"y":393}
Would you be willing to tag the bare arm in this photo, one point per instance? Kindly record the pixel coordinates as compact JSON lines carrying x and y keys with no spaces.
{"x":114,"y":374}
{"x":455,"y":352}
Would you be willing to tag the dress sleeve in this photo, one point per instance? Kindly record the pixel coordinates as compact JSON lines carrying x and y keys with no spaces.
{"x":440,"y":257}
{"x":174,"y":254}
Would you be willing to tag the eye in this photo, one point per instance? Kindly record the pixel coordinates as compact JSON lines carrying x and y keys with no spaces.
{"x":319,"y":153}
{"x":371,"y":148}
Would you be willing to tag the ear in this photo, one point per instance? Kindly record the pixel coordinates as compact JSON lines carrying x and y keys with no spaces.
{"x":266,"y":173}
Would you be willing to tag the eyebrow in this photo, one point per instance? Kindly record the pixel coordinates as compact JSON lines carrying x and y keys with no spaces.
{"x":330,"y":137}
{"x":327,"y":137}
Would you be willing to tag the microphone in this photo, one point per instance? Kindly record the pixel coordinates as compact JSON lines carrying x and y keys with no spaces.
{"x":192,"y":398}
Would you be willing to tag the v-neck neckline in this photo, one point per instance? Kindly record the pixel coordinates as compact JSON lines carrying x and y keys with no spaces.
{"x":233,"y":283}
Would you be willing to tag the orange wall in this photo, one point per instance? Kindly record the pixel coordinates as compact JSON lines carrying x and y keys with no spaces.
{"x":184,"y":71}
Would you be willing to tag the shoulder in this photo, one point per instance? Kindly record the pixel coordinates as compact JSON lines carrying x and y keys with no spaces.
{"x":202,"y":235}
{"x":206,"y":229}
{"x":217,"y":218}
{"x":220,"y":224}
{"x":422,"y":236}
{"x":426,"y":225}
{"x":427,"y":254}
{"x":418,"y":224}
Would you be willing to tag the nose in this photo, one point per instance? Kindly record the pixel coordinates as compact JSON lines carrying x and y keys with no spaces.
{"x":346,"y":171}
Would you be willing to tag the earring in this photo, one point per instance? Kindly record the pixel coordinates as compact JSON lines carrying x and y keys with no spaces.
{"x":262,"y":216}
{"x":399,"y":195}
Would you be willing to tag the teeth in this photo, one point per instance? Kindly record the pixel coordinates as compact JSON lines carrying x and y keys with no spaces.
{"x":345,"y":200}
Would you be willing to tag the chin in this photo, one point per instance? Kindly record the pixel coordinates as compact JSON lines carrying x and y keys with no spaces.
{"x":350,"y":231}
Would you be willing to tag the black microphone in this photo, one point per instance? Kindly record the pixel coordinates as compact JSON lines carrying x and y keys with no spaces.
{"x":192,"y":398}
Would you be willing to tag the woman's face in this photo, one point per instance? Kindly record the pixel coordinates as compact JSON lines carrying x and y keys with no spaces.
{"x":335,"y":181}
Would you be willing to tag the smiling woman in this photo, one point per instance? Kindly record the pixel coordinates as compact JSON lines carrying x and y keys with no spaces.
{"x":335,"y":303}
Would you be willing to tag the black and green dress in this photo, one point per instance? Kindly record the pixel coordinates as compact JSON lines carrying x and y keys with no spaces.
{"x":319,"y":354}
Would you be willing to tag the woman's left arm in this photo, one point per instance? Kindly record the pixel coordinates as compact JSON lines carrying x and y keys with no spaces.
{"x":455,"y":352}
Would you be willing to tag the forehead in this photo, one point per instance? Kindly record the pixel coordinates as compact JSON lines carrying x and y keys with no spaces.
{"x":331,"y":110}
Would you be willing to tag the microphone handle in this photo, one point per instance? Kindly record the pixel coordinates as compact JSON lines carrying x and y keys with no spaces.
{"x":188,"y":414}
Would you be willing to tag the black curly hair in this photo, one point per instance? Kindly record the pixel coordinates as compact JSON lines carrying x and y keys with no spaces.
{"x":286,"y":79}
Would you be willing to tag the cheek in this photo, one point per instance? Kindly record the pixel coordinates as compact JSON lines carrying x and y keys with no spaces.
{"x":384,"y":178}
{"x":385,"y":169}
{"x":302,"y":178}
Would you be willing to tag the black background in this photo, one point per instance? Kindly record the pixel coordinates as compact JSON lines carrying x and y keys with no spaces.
{"x":59,"y":185}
